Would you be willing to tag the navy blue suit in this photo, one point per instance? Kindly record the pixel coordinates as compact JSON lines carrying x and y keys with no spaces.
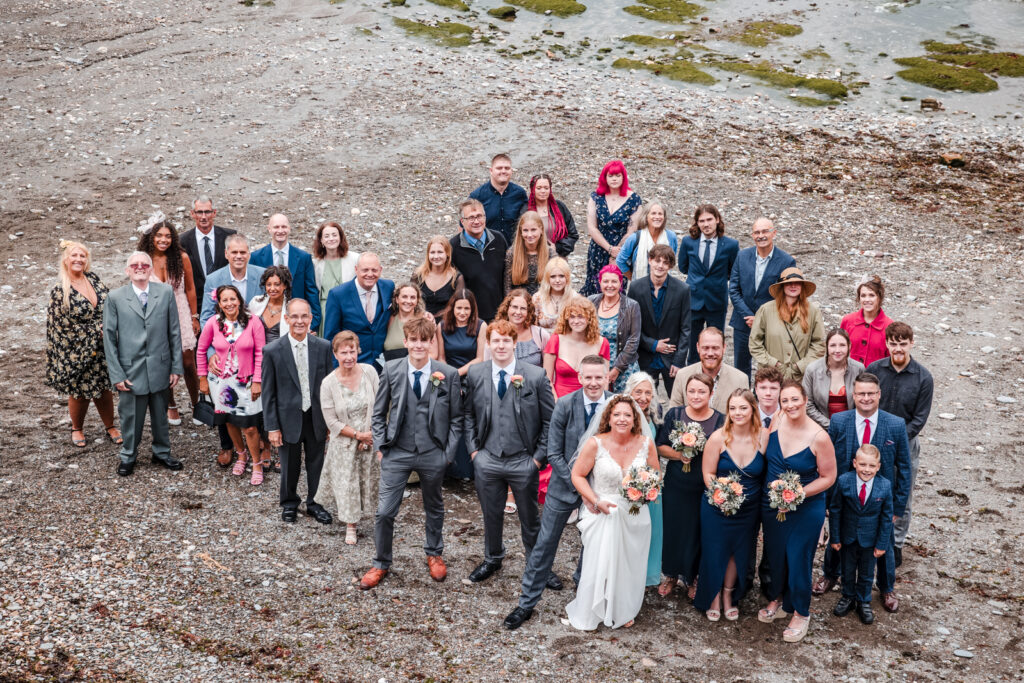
{"x":345,"y":312}
{"x":746,"y":298}
{"x":709,"y":287}
{"x":300,"y":265}
{"x":890,"y":438}
{"x":860,"y":529}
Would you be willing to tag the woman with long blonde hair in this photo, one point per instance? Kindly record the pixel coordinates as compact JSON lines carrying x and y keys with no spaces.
{"x":554,"y":291}
{"x":528,"y":256}
{"x":76,"y":364}
{"x":436,"y":277}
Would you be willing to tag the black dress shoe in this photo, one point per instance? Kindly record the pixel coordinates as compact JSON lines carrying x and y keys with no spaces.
{"x":844,"y":606}
{"x":516,"y":618}
{"x":319,"y":514}
{"x":864,"y":612}
{"x":289,"y":515}
{"x":554,"y":583}
{"x":897,"y":554}
{"x":484,"y":571}
{"x":125,"y":469}
{"x":170,"y":463}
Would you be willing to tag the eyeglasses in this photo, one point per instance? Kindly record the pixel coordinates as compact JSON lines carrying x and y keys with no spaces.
{"x":475,"y":218}
{"x":204,"y":212}
{"x":762,"y":233}
{"x":139,"y":266}
{"x":865,"y":394}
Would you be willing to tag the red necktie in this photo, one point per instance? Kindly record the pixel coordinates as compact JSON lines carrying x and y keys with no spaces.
{"x":867,"y":433}
{"x":863,"y":492}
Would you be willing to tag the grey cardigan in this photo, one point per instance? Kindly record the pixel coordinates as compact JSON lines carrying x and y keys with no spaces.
{"x":817,"y":383}
{"x":628,"y":331}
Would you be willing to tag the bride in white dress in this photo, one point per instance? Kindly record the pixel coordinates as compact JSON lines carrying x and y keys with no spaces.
{"x":615,"y":543}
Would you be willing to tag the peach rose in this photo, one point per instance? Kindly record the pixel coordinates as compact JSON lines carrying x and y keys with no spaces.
{"x":652,"y":495}
{"x":718,"y":497}
{"x":645,"y":475}
{"x":634,"y":494}
{"x":625,"y":481}
{"x":788,"y":496}
{"x":689,"y":440}
{"x":736,"y":487}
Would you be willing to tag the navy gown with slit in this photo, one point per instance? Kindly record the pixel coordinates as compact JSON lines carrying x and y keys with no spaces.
{"x":790,"y":545}
{"x":729,"y":536}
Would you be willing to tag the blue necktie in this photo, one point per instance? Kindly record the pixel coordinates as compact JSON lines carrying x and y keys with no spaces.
{"x":707,"y":255}
{"x":768,"y":422}
{"x":502,"y":387}
{"x":590,"y":412}
{"x":416,"y":388}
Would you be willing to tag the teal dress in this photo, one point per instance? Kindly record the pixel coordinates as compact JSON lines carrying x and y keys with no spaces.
{"x":609,"y":328}
{"x":657,"y":526}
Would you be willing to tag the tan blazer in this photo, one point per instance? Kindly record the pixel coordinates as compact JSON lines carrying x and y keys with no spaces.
{"x":729,"y":380}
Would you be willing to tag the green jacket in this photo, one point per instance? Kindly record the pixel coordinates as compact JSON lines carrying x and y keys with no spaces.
{"x":773,"y":341}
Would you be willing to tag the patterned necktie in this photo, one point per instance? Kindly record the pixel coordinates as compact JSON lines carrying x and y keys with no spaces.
{"x":863,"y":492}
{"x":867,"y":433}
{"x":279,"y":258}
{"x":502,"y":387}
{"x":768,"y":422}
{"x":590,"y":412}
{"x":367,"y":305}
{"x":208,"y":254}
{"x":707,"y":255}
{"x":144,"y":300}
{"x":416,"y":388}
{"x":302,"y":365}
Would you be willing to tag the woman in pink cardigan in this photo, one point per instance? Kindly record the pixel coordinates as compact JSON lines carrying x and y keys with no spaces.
{"x":237,"y":338}
{"x":867,"y":326}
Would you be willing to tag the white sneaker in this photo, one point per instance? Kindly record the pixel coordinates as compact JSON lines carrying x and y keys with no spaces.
{"x":196,"y":422}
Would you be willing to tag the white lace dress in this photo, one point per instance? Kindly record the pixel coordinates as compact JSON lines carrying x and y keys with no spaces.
{"x":615,"y":548}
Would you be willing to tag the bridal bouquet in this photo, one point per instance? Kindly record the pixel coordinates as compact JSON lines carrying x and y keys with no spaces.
{"x":640,"y":486}
{"x":726,"y":494}
{"x":785,"y":494}
{"x":688,"y":440}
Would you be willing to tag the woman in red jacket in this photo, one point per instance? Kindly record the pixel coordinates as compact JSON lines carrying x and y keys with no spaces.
{"x":866,"y":327}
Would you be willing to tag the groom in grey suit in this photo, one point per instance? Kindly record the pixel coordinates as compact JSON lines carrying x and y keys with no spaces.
{"x":573,"y":414}
{"x":142,"y":343}
{"x":417,"y":427}
{"x":508,"y":409}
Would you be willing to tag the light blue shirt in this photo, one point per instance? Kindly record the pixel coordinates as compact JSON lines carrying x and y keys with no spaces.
{"x":477,"y":244}
{"x":761,"y":265}
{"x":284,"y":254}
{"x":241,"y":284}
{"x":509,"y":371}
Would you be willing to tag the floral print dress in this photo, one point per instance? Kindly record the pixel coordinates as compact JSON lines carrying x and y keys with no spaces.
{"x":75,"y":362}
{"x":613,"y":227}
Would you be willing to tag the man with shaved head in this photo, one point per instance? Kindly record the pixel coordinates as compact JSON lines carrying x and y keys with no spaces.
{"x":756,"y":268}
{"x":361,"y":306}
{"x":298,"y":262}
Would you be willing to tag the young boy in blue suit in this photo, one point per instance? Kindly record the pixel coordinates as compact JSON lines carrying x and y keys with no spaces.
{"x":860,"y":518}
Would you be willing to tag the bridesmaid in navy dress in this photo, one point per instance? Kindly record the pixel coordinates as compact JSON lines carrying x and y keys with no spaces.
{"x":683,"y":491}
{"x":726,"y":541}
{"x":461,"y":338}
{"x":611,"y":215}
{"x":796,"y":443}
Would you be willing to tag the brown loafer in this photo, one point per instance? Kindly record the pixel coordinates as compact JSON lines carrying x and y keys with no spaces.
{"x":891,"y":602}
{"x":666,"y":586}
{"x":372,"y":578}
{"x":438,"y":571}
{"x":823,"y":585}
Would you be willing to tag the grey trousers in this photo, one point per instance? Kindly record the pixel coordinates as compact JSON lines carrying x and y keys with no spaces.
{"x":902,"y":525}
{"x":394,"y":473}
{"x":538,"y":562}
{"x":494,"y":475}
{"x":131,"y":409}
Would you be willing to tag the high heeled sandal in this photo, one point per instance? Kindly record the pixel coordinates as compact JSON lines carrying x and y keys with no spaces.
{"x":795,"y":635}
{"x":115,"y":438}
{"x":767,"y":616}
{"x":350,"y":535}
{"x":713,"y":614}
{"x":257,"y":475}
{"x":733,"y":613}
{"x":239,"y":468}
{"x":77,"y":443}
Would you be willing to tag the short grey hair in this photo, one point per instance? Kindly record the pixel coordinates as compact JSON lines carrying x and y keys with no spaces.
{"x":138,"y":253}
{"x":236,"y":237}
{"x":202,"y":199}
{"x":288,"y":306}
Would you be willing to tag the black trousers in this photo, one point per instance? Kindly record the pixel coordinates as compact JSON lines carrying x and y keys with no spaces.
{"x":291,"y":465}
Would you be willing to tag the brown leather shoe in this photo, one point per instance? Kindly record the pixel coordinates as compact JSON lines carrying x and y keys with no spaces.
{"x":823,"y":585}
{"x":372,"y":578}
{"x":891,"y":602}
{"x":438,"y":571}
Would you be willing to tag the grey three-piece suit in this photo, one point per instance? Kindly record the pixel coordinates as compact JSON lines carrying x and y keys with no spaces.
{"x":414,"y":435}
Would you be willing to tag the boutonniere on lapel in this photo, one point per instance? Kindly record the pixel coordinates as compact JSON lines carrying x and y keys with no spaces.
{"x":517,"y":383}
{"x":435,"y":379}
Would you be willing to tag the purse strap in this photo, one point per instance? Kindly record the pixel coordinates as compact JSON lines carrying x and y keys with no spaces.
{"x":790,"y":335}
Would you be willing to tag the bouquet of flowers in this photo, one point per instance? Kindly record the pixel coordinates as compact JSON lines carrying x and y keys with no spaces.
{"x":689,"y":440}
{"x":640,"y":486}
{"x":726,"y":494}
{"x":785,"y":494}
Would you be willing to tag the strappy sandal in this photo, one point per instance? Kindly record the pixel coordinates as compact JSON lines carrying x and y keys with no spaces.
{"x":691,"y":590}
{"x":767,"y":616}
{"x":666,"y":586}
{"x":350,"y":535}
{"x":733,"y":613}
{"x":239,"y":468}
{"x":510,"y":508}
{"x":116,"y":437}
{"x":257,"y":475}
{"x":77,"y":443}
{"x":713,"y":614}
{"x":795,"y":635}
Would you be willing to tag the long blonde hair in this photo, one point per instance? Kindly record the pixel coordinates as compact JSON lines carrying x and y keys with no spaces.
{"x":544,"y":292}
{"x":65,"y":247}
{"x":755,"y":417}
{"x":420,"y":274}
{"x":520,"y":260}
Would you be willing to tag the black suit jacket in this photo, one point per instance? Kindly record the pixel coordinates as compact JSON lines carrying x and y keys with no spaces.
{"x":190,"y":245}
{"x":674,"y":325}
{"x":282,"y":395}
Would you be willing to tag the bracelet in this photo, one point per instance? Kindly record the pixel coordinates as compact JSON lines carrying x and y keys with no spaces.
{"x":195,"y":316}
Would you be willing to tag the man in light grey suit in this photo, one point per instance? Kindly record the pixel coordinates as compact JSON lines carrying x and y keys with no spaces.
{"x":142,"y":343}
{"x":570,"y":420}
{"x":508,"y":406}
{"x":246,"y":279}
{"x":417,"y":427}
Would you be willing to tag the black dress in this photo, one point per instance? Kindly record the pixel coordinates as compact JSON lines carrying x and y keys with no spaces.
{"x":75,"y":362}
{"x":435,"y":301}
{"x":681,"y":499}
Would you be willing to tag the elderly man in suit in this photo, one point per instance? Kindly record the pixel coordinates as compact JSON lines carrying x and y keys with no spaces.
{"x":298,"y":262}
{"x":706,"y":257}
{"x":664,"y":317}
{"x":204,"y":244}
{"x":361,"y":306}
{"x":417,"y":427}
{"x":570,"y":419}
{"x":293,"y":368}
{"x":755,"y":270}
{"x":849,"y":430}
{"x":142,"y":343}
{"x":507,"y":409}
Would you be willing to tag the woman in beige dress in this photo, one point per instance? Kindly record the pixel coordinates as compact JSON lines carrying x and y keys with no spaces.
{"x":350,"y":472}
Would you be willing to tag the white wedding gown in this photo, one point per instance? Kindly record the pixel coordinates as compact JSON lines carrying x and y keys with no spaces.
{"x":615,"y":547}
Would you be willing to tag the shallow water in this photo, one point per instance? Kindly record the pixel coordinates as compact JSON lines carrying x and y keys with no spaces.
{"x":853,"y":35}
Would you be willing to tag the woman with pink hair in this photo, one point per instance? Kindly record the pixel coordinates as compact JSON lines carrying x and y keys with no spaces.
{"x":611,"y":216}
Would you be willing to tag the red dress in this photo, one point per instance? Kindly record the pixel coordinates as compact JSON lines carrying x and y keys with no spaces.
{"x":867,"y":340}
{"x":837,"y":402}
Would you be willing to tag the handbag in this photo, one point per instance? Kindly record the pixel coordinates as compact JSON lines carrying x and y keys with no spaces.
{"x":204,"y":412}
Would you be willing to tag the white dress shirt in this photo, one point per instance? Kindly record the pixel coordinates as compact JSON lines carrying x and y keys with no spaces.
{"x":869,"y":483}
{"x":873,"y":419}
{"x":411,"y":369}
{"x":201,"y":242}
{"x":495,"y":369}
{"x":284,"y":254}
{"x":713,"y":246}
{"x":764,"y":415}
{"x":600,"y":405}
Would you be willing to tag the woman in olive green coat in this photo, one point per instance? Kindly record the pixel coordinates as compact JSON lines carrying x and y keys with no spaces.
{"x":788,"y":333}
